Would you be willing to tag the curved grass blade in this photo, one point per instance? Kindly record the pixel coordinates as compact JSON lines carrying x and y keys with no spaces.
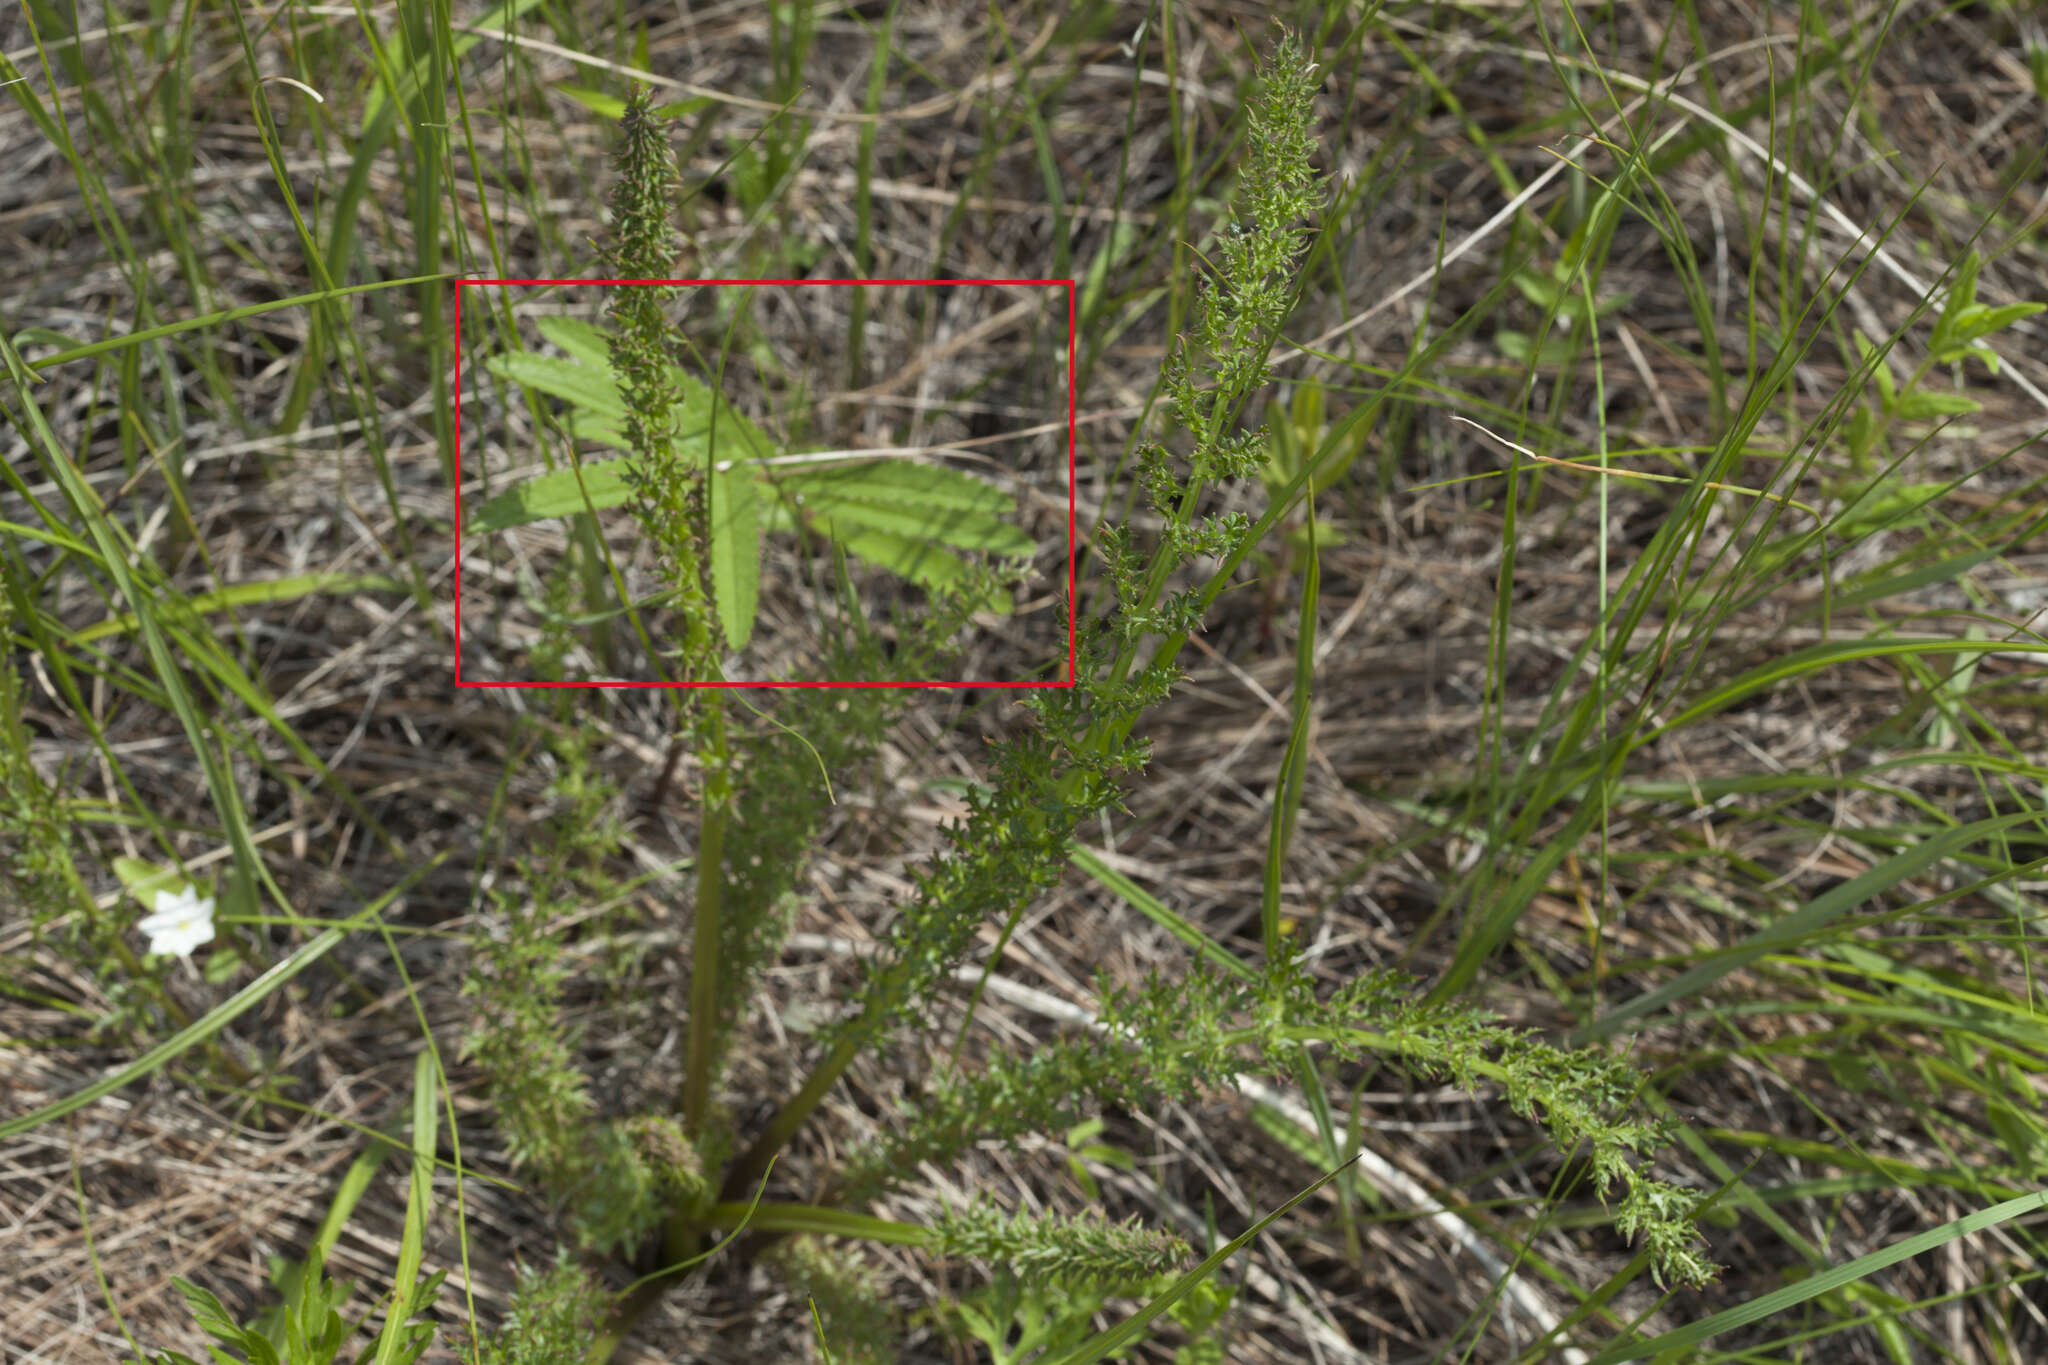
{"x":1757,"y":1309}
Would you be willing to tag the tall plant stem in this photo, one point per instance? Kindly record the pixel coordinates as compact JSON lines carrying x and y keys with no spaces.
{"x":790,"y":1117}
{"x":703,"y":1059}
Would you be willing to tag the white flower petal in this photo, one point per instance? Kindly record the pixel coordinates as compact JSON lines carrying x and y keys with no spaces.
{"x":183,"y":920}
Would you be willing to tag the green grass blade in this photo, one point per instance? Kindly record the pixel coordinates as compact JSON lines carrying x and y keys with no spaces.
{"x":229,"y":1010}
{"x":1756,"y":1310}
{"x":419,"y":1204}
{"x":1809,"y":918}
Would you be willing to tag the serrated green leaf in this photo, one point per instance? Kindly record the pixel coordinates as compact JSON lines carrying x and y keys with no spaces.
{"x":586,"y":386}
{"x":208,"y":1311}
{"x":920,"y":561}
{"x":584,"y":341}
{"x":894,"y":513}
{"x":897,"y":482}
{"x":598,"y":429}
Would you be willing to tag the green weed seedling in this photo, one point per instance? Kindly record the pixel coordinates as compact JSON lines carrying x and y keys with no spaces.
{"x":1165,"y":1041}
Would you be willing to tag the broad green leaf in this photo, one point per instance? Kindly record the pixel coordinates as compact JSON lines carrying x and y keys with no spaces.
{"x":596,"y":101}
{"x":143,"y":880}
{"x":1962,"y":296}
{"x":586,"y":386}
{"x":898,"y":483}
{"x":1980,"y":321}
{"x":1517,"y":346}
{"x":1881,"y":371}
{"x":551,"y":495}
{"x":612,"y":107}
{"x":584,"y":341}
{"x":962,"y":530}
{"x":1921,"y":403}
{"x":736,"y":553}
{"x":917,"y":560}
{"x":894,"y":513}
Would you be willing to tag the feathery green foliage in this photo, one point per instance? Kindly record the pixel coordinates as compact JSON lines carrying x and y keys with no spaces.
{"x":520,"y":1041}
{"x":860,"y":1326}
{"x":1066,"y":767}
{"x":309,"y":1331}
{"x":555,"y":1314}
{"x":37,"y":858}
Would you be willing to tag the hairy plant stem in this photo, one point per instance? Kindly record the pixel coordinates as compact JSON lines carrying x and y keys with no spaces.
{"x":715,"y":755}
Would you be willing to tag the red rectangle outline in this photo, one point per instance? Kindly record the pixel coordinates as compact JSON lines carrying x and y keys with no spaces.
{"x":1073,"y":593}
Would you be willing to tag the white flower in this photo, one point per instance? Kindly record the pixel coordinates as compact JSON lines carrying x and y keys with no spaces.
{"x":183,"y":920}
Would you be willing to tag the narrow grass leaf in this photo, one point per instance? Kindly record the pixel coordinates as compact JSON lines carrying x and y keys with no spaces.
{"x":1808,"y":919}
{"x":249,"y":594}
{"x":1160,"y":913}
{"x":419,"y":1204}
{"x":1756,"y":1310}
